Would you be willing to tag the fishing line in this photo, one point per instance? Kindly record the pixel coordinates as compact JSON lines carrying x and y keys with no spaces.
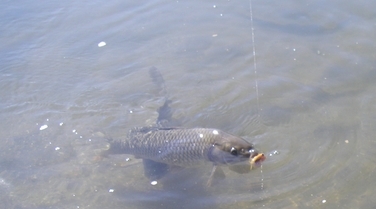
{"x":256,"y":82}
{"x":254,"y":57}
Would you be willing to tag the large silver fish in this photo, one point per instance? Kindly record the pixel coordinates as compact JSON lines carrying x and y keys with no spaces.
{"x":184,"y":147}
{"x":161,"y":146}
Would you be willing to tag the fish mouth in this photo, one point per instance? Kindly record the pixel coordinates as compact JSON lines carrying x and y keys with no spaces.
{"x":255,"y":160}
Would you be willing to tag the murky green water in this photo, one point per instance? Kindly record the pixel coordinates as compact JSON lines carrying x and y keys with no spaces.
{"x":62,"y":96}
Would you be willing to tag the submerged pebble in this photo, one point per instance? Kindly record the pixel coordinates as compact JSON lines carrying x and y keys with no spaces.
{"x":43,"y":127}
{"x":101,"y":44}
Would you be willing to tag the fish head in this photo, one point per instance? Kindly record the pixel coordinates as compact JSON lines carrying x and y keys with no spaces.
{"x":229,"y":149}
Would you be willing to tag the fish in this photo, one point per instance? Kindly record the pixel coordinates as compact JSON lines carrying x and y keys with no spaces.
{"x":186,"y":147}
{"x":161,"y":147}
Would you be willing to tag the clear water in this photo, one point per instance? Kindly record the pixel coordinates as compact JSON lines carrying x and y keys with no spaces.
{"x":314,"y":118}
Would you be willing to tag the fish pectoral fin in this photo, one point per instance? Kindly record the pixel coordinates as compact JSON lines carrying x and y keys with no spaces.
{"x":215,"y":175}
{"x":240,"y":168}
{"x":154,"y":170}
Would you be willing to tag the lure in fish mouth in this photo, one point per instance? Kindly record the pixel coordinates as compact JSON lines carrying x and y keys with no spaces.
{"x":255,"y":160}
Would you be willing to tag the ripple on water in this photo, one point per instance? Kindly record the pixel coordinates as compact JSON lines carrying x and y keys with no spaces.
{"x":310,"y":164}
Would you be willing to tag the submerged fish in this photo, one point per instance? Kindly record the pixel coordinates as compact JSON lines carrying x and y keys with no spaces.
{"x":186,"y":147}
{"x":161,"y":146}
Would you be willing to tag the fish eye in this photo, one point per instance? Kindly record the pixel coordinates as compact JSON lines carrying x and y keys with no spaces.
{"x":233,"y":151}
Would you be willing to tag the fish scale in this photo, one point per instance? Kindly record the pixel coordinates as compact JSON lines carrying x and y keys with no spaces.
{"x":181,"y":147}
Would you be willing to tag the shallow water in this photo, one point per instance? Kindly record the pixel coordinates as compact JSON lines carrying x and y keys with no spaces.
{"x":312,"y":111}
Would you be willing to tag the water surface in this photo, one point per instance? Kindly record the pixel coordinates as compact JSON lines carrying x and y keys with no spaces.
{"x":309,"y":104}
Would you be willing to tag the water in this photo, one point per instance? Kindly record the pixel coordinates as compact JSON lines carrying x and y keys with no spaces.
{"x":314,"y":119}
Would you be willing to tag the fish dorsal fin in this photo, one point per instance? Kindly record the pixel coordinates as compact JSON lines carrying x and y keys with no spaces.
{"x":164,"y":115}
